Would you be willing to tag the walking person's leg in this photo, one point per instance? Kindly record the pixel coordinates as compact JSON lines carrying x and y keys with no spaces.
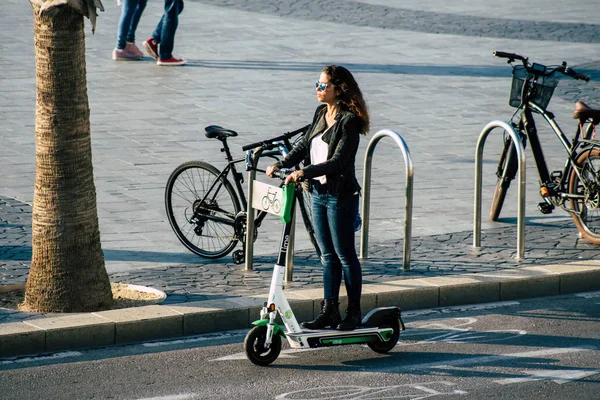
{"x":121,"y":52}
{"x":151,"y":44}
{"x":167,"y":37}
{"x":332,"y":269}
{"x":135,"y":20}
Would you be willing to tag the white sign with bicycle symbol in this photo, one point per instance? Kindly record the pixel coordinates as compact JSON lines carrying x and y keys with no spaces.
{"x":267,"y":198}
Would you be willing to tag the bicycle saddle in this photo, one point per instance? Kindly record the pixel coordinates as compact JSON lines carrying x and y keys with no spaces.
{"x":583,"y":112}
{"x":215,"y":131}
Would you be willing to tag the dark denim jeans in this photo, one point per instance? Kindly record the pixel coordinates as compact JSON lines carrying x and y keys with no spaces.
{"x":130,"y":17}
{"x":333,"y":220}
{"x":164,"y":34}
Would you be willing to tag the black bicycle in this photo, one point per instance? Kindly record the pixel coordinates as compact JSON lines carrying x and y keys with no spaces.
{"x":575,"y":188}
{"x":208,"y":213}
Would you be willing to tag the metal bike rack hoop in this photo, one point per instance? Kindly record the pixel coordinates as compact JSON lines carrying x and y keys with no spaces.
{"x":521,"y":190}
{"x":364,"y":238}
{"x":249,"y":255}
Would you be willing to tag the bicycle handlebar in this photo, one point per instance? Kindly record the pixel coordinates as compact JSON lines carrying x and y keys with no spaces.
{"x":577,"y":75}
{"x":541,"y":70}
{"x":268,"y":142}
{"x":511,"y":56}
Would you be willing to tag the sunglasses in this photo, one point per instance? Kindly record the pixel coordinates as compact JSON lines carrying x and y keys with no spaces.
{"x":322,"y":86}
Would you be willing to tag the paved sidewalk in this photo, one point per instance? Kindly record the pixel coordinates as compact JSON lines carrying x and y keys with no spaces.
{"x":212,"y":296}
{"x":426,"y":69}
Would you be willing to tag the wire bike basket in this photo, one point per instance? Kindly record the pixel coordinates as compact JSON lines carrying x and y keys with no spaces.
{"x":544,"y":87}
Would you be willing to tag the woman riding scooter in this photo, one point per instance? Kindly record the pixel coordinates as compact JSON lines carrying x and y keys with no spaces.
{"x":328,"y":151}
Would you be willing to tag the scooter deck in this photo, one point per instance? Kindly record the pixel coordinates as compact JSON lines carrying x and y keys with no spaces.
{"x":332,"y":337}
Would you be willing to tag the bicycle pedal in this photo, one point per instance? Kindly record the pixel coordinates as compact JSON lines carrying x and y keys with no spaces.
{"x":545,"y":208}
{"x":238,"y":257}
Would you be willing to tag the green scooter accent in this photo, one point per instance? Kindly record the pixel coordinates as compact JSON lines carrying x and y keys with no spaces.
{"x":287,"y":202}
{"x":263,"y":322}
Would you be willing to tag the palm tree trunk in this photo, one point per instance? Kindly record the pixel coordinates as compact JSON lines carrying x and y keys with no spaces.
{"x":67,"y":268}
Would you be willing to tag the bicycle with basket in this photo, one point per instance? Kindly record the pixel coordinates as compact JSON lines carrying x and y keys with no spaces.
{"x":208,"y":213}
{"x":576,"y":187}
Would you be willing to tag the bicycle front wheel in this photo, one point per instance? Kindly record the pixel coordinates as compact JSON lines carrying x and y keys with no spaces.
{"x":202,"y":210}
{"x":585,"y":189}
{"x":507,"y":170}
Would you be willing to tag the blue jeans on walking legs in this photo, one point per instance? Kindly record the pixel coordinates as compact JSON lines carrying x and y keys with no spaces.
{"x":164,"y":34}
{"x":333,"y":221}
{"x":130,"y":17}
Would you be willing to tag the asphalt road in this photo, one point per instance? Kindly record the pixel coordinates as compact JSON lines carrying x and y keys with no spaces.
{"x":545,"y":348}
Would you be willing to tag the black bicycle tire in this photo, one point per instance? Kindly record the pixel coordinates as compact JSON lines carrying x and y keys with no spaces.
{"x":498,"y":198}
{"x":219,"y":252}
{"x":582,"y":226}
{"x":255,"y":351}
{"x":509,"y":168}
{"x":306,"y":219}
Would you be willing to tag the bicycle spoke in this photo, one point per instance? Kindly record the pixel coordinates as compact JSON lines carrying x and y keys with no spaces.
{"x":202,"y":220}
{"x":587,"y":187}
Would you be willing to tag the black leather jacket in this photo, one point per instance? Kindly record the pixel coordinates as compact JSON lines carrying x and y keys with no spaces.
{"x":343,"y":139}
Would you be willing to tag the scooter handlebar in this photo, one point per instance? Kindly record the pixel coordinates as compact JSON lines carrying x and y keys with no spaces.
{"x":283,"y":173}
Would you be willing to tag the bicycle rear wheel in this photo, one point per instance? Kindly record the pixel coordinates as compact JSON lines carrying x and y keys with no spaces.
{"x":202,"y":221}
{"x":587,"y":187}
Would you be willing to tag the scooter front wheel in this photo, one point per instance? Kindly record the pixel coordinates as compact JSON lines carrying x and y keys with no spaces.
{"x":254,"y":344}
{"x":380,"y":346}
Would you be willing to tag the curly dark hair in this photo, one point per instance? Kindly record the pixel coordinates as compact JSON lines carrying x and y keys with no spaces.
{"x":348,"y":93}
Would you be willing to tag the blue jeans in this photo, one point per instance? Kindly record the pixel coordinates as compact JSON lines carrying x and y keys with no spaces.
{"x":333,"y":220}
{"x":164,"y":34}
{"x":130,"y":17}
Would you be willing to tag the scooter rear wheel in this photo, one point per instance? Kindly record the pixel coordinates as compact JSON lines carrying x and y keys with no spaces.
{"x":254,"y":344}
{"x":381,"y":346}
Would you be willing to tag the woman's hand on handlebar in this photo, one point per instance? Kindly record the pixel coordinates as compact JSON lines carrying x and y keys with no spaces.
{"x":271,"y":170}
{"x":296,"y":176}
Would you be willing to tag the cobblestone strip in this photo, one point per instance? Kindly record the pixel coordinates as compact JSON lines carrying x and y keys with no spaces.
{"x":436,"y":255}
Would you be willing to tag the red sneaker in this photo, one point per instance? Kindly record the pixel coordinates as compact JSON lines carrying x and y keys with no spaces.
{"x":152,"y":48}
{"x":171,"y":61}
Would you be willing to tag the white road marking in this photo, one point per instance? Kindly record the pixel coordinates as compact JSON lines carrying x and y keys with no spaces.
{"x":482,"y":359}
{"x":54,"y":356}
{"x":284,"y":354}
{"x":409,"y":391}
{"x":187,"y":396}
{"x":588,"y":295}
{"x":449,"y":330}
{"x":203,"y":338}
{"x":469,"y":307}
{"x":558,"y":376}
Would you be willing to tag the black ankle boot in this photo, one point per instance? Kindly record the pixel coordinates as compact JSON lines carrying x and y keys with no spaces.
{"x":352,"y":320}
{"x":329,"y":316}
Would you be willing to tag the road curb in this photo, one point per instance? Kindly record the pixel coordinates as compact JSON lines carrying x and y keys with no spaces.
{"x":154,"y":322}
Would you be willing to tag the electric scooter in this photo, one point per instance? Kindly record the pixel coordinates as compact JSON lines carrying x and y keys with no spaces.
{"x":379,"y":329}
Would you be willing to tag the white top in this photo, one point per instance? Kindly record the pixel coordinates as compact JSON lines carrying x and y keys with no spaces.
{"x":318,"y":153}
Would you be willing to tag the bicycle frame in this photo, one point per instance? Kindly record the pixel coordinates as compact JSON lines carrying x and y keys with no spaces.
{"x":238,"y":179}
{"x":528,"y":127}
